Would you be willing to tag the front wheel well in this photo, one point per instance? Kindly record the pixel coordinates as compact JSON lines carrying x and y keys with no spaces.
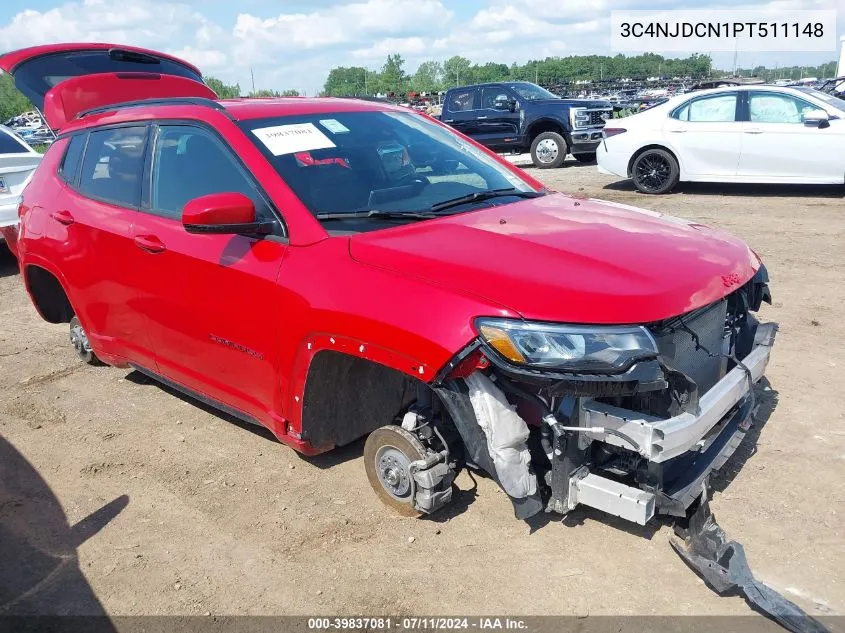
{"x":546,"y":125}
{"x":48,"y":295}
{"x":347,"y":397}
{"x":645,"y":149}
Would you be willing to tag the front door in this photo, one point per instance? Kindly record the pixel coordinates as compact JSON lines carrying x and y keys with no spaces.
{"x":706,"y":135}
{"x":778,"y":144}
{"x":210,"y":300}
{"x":496,"y":125}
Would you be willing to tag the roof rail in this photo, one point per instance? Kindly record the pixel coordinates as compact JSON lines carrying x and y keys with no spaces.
{"x":140,"y":103}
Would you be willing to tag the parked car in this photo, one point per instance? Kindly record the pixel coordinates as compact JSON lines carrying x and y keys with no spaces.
{"x":750,"y":134}
{"x":522,"y":117}
{"x":298,"y":264}
{"x":17,"y":164}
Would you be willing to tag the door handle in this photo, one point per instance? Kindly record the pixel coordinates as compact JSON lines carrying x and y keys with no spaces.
{"x":678,"y":130}
{"x":448,"y":120}
{"x":63,"y":217}
{"x":753,"y":130}
{"x":149,"y":243}
{"x":480,"y":117}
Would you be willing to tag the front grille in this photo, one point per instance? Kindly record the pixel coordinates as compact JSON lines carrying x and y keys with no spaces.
{"x":678,"y":349}
{"x":596,"y":116}
{"x":585,"y":118}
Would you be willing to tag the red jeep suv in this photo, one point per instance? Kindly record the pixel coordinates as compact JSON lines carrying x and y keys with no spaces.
{"x":335,"y":268}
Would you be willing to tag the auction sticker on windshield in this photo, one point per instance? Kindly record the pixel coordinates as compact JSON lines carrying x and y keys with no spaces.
{"x":289,"y":139}
{"x":334,"y":126}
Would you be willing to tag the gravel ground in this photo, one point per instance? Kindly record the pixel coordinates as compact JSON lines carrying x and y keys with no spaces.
{"x":219,"y":518}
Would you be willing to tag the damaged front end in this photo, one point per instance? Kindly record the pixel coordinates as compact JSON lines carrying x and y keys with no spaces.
{"x":630,"y":420}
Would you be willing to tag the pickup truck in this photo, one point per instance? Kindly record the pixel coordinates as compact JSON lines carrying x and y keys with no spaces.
{"x":519,"y":116}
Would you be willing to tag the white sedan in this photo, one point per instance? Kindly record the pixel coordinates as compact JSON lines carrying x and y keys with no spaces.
{"x":17,"y":164}
{"x":752,"y":134}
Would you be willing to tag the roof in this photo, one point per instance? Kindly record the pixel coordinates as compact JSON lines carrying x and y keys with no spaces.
{"x":241,"y":109}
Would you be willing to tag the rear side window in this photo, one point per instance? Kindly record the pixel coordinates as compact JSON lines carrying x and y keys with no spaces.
{"x":189,"y":162}
{"x":716,"y":109}
{"x":72,"y":158}
{"x":113,"y":165}
{"x":10,"y":145}
{"x":462,"y":100}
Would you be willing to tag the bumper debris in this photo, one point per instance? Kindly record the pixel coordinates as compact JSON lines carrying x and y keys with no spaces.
{"x":722,"y":565}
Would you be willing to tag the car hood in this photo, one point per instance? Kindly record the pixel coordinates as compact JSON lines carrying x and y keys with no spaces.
{"x":578,"y":103}
{"x":558,"y":258}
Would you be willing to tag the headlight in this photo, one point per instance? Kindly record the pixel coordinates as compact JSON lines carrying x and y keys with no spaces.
{"x":584,"y":348}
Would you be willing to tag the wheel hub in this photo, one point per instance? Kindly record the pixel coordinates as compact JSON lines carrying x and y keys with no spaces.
{"x":393,"y":472}
{"x":547,"y":150}
{"x":79,"y":339}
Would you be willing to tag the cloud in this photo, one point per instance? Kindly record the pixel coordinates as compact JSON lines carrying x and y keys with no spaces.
{"x":296,"y":47}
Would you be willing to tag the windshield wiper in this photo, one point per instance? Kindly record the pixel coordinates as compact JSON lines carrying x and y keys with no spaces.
{"x":478,"y":196}
{"x":378,"y":213}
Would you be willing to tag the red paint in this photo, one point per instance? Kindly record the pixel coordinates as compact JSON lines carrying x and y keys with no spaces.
{"x":69,"y":98}
{"x":219,"y":208}
{"x":10,"y":60}
{"x":239,"y":319}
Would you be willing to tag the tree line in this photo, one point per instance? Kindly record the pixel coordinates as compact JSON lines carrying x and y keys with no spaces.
{"x":434,"y":76}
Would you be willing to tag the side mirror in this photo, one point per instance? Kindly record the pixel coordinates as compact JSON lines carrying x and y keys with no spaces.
{"x":512,"y":105}
{"x":222,"y":213}
{"x":818,"y":118}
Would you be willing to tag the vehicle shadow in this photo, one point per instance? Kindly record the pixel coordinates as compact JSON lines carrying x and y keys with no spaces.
{"x":39,"y":567}
{"x":142,"y":379}
{"x":737,"y":189}
{"x":8,"y":262}
{"x":336,"y":456}
{"x":767,"y":401}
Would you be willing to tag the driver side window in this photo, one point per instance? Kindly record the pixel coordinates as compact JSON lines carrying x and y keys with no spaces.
{"x":772,"y":107}
{"x":189,"y":162}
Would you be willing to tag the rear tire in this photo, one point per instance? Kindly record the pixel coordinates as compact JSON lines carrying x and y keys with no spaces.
{"x":655,"y":171}
{"x":586,"y":158}
{"x":388,"y":452}
{"x":548,"y":150}
{"x":79,"y":339}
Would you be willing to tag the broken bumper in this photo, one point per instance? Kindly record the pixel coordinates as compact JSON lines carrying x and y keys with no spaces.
{"x":682,"y":450}
{"x":661,"y":440}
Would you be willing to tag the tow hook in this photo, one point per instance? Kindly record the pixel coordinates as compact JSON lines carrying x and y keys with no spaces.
{"x":723,"y":567}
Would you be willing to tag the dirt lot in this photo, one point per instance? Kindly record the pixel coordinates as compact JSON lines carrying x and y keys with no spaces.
{"x":222,"y":519}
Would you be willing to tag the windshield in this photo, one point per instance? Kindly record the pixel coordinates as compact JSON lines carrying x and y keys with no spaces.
{"x":531,"y":92}
{"x":380,"y":161}
{"x":833,"y":100}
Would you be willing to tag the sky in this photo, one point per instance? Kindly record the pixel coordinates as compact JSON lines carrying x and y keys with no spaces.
{"x":294,"y":44}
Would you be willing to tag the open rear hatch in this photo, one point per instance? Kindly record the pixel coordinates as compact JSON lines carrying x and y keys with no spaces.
{"x":63,"y":80}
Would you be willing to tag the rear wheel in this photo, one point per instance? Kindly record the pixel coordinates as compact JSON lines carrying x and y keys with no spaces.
{"x":655,"y":171}
{"x":79,"y":340}
{"x":548,"y":150}
{"x":586,"y":158}
{"x":388,"y":453}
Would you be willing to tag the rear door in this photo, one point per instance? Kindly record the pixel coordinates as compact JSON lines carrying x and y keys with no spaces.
{"x":462,"y":110}
{"x":210,"y":300}
{"x":88,"y":227}
{"x":707,"y":135}
{"x":63,"y":80}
